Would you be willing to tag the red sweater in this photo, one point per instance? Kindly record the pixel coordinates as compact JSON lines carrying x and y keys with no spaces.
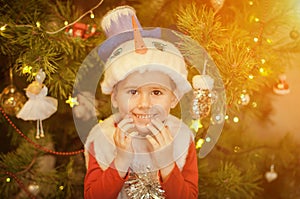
{"x":106,"y":184}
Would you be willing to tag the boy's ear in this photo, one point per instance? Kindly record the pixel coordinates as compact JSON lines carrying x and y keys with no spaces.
{"x":174,"y":102}
{"x":113,"y":100}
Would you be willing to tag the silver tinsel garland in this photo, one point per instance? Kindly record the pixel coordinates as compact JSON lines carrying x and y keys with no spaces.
{"x":143,"y":186}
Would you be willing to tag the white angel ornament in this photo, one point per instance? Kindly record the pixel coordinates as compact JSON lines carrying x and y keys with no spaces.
{"x":39,"y":106}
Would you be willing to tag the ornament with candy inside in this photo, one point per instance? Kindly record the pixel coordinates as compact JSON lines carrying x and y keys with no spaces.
{"x":203,"y":96}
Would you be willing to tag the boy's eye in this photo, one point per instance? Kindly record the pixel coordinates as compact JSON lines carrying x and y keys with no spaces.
{"x":132,"y":92}
{"x":156,"y":92}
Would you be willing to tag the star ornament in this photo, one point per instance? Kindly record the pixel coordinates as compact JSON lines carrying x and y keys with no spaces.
{"x":72,"y":101}
{"x":196,"y":125}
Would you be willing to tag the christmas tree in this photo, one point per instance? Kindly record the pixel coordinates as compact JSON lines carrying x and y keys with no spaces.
{"x":251,"y":43}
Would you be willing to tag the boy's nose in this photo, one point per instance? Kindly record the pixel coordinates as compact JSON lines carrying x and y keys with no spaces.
{"x":144,"y":101}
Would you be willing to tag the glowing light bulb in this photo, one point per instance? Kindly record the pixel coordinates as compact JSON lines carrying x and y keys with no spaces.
{"x":207,"y":139}
{"x":199,"y":144}
{"x":3,"y":27}
{"x":38,"y":24}
{"x":261,"y":70}
{"x":235,"y":119}
{"x":92,"y":15}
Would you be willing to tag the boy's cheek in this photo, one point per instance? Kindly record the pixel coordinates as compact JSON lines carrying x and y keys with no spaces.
{"x":161,"y":111}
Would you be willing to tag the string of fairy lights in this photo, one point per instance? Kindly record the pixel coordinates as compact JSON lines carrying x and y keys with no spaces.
{"x":66,"y":23}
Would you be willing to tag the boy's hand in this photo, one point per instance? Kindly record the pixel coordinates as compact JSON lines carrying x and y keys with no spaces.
{"x":162,"y":143}
{"x":123,"y":144}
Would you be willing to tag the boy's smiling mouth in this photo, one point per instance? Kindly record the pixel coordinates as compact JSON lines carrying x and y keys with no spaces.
{"x":143,"y":116}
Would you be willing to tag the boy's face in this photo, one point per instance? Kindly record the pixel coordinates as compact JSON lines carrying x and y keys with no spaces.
{"x":144,"y":96}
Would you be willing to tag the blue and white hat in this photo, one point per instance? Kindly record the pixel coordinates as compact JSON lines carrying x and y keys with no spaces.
{"x":136,"y":49}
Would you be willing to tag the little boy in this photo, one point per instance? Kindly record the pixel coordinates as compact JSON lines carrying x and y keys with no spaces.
{"x":141,"y":151}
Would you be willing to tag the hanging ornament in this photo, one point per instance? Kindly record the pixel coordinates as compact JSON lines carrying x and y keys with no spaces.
{"x":81,"y":30}
{"x":196,"y":125}
{"x":11,"y":100}
{"x":281,"y":87}
{"x":34,"y":188}
{"x":271,"y":175}
{"x":144,"y":185}
{"x":72,"y":101}
{"x":203,"y":96}
{"x":38,"y":106}
{"x":294,"y":34}
{"x":244,"y":98}
{"x":217,"y":4}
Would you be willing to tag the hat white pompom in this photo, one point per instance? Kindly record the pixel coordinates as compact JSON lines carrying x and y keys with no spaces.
{"x":203,"y":82}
